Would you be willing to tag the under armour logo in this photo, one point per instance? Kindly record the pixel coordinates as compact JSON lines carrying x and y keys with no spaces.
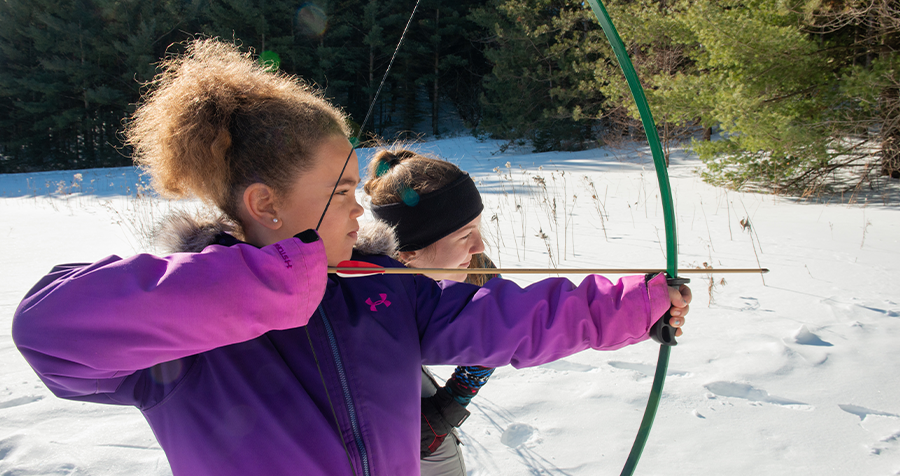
{"x":374,"y":305}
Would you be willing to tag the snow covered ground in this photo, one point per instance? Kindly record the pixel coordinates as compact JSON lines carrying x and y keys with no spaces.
{"x":791,"y":373}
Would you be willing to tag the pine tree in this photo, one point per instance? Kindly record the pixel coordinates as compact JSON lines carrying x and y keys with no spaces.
{"x":271,"y":29}
{"x":72,"y":70}
{"x":69,"y":72}
{"x":383,"y":23}
{"x":537,"y":88}
{"x":450,"y":61}
{"x":61,"y":93}
{"x":795,"y":89}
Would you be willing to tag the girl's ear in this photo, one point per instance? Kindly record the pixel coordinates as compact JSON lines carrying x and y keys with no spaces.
{"x":406,"y":257}
{"x":259,"y":204}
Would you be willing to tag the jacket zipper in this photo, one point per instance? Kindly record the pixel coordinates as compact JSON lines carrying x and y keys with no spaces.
{"x":351,"y":409}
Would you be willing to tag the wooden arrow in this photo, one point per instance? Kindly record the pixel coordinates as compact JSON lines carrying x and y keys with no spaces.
{"x":355,"y":269}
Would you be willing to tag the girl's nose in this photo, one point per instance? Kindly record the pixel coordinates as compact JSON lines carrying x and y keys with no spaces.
{"x":478,"y":246}
{"x":357,"y":210}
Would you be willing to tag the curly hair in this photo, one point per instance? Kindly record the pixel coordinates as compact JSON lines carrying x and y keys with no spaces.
{"x":215,"y":121}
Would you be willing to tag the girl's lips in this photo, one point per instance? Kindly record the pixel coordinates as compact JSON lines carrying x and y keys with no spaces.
{"x":353,"y":234}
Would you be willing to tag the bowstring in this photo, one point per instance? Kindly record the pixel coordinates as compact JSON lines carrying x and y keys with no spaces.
{"x":343,"y":169}
{"x":369,"y":112}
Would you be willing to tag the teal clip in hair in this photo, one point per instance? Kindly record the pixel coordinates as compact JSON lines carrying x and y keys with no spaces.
{"x":409,"y":197}
{"x":382,"y":168}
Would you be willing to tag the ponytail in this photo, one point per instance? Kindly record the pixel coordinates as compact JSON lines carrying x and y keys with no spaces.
{"x":215,"y":121}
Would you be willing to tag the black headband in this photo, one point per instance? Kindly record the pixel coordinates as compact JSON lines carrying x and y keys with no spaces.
{"x":421,"y":220}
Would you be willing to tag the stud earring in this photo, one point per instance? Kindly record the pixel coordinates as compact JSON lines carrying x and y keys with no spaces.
{"x":275,"y":220}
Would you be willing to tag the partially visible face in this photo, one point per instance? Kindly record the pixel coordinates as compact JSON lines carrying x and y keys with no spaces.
{"x":303,"y":206}
{"x":452,"y":251}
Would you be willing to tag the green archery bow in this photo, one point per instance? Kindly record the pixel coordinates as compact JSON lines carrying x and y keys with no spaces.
{"x":662,"y":175}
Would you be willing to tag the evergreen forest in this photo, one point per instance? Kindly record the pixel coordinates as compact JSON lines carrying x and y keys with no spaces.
{"x":790,"y":96}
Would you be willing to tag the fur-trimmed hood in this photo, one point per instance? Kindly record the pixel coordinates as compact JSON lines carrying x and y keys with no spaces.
{"x":192,"y":231}
{"x":377,"y":238}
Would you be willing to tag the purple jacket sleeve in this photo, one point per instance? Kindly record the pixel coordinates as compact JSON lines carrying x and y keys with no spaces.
{"x":84,"y":328}
{"x":551,"y":319}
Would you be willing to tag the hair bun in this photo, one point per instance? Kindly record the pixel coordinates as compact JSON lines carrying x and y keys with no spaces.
{"x":384,"y":161}
{"x":392,"y":159}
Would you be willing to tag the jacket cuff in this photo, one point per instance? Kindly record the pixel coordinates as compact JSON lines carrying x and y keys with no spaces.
{"x":658,"y":293}
{"x":304,"y":258}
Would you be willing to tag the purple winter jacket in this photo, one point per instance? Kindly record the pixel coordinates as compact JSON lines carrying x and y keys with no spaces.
{"x":222,"y":350}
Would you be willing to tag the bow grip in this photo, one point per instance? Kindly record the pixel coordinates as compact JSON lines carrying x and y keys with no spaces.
{"x":661,"y":331}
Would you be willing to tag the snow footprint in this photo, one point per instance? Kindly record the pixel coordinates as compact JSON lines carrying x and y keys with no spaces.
{"x":856,"y":307}
{"x":745,"y":304}
{"x":863,"y":412}
{"x":519,"y":434}
{"x":811,"y":345}
{"x":8,"y":445}
{"x":877,"y":423}
{"x":885,"y":312}
{"x":887,"y":443}
{"x":566,"y":366}
{"x":648,"y":370}
{"x":803,"y":336}
{"x":753,"y":394}
{"x":15,"y":402}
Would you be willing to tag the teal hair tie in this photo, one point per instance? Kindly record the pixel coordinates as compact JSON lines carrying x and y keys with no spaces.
{"x":382,"y":168}
{"x":409,"y":197}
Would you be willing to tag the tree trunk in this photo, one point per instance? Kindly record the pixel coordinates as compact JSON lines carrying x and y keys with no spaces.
{"x":890,"y":133}
{"x":371,"y":83}
{"x":890,"y":154}
{"x":435,"y":107}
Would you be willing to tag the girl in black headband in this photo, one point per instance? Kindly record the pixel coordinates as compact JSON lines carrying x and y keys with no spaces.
{"x":435,"y":211}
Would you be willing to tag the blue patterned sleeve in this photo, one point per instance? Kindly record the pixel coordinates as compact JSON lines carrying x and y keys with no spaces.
{"x":467,"y":381}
